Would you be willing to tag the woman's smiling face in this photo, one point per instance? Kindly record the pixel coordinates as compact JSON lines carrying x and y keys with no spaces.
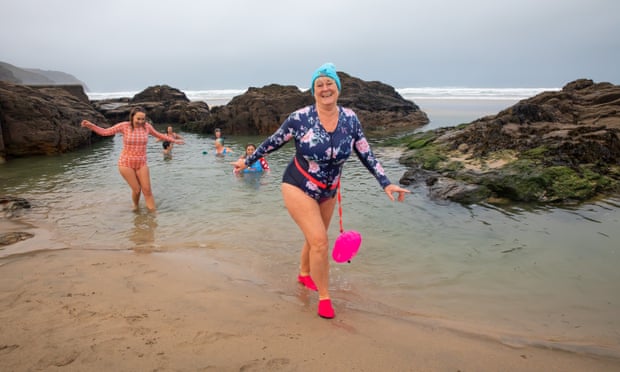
{"x":325,"y":90}
{"x":139,"y":119}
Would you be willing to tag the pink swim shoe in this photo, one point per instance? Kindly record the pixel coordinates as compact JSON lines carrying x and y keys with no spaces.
{"x":325,"y":309}
{"x":307,"y":281}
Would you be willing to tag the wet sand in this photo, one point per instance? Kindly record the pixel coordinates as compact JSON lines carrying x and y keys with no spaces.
{"x":182,"y":311}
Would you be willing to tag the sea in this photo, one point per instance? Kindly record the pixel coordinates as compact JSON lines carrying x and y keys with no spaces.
{"x":521,"y":274}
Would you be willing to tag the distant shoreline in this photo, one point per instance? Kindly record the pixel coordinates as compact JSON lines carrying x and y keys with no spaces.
{"x":436,"y":93}
{"x":444,"y":106}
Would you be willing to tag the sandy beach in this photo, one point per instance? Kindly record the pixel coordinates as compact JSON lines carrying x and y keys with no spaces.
{"x":80,"y":310}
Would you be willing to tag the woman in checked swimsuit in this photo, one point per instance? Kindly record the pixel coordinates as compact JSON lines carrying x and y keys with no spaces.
{"x":132,"y":161}
{"x":325,"y":136}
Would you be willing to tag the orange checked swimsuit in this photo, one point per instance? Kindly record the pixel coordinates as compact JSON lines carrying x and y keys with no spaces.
{"x":135,"y":140}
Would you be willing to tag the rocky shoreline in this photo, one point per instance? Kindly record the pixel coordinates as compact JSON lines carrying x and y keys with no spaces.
{"x":45,"y":120}
{"x":555,"y":147}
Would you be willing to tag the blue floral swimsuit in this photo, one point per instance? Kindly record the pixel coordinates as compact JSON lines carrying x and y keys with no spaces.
{"x":320,"y":155}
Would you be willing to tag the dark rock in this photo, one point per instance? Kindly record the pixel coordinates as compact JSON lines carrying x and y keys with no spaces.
{"x":75,"y":90}
{"x":14,"y":237}
{"x":554,"y":147}
{"x":13,"y":203}
{"x":43,"y":121}
{"x":379,"y":106}
{"x":418,"y":175}
{"x":163,"y":105}
{"x":10,"y":205}
{"x":257,"y":111}
{"x":579,"y":124}
{"x":445,"y":188}
{"x":262,"y":110}
{"x":160,"y":93}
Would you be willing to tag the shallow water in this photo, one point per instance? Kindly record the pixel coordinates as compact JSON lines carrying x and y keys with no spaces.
{"x":522,"y":274}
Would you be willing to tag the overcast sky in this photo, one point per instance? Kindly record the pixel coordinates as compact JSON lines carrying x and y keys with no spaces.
{"x":116,"y":45}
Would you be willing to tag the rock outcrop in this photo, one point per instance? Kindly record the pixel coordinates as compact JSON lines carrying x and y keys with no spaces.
{"x":379,"y":106}
{"x":163,"y":104}
{"x":257,"y":111}
{"x":262,"y":110}
{"x":43,"y":120}
{"x":10,"y":207}
{"x":577,"y":125}
{"x":554,"y":147}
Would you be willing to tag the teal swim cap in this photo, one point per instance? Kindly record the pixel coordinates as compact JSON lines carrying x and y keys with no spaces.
{"x":327,"y":69}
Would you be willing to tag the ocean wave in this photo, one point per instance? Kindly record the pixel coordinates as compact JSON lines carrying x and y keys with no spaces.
{"x":471,"y":93}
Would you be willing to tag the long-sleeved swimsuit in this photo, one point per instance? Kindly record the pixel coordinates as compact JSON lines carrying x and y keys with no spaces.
{"x":320,"y":155}
{"x":135,"y":140}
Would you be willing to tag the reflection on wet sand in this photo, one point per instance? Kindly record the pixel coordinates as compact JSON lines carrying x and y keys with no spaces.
{"x":143,"y":232}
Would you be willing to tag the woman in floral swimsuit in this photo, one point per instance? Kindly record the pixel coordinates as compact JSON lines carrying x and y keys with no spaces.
{"x":132,"y":162}
{"x":325,"y":136}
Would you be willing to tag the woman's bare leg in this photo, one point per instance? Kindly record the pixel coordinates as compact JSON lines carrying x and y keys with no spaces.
{"x":304,"y":266}
{"x":313,"y":220}
{"x":144,"y":177}
{"x":129,"y":174}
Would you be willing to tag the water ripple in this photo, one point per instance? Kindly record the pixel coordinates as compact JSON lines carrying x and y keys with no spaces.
{"x":520,"y":268}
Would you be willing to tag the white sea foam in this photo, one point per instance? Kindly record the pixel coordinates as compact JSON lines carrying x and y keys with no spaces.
{"x":98,"y":96}
{"x":214,"y":97}
{"x":442,"y":93}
